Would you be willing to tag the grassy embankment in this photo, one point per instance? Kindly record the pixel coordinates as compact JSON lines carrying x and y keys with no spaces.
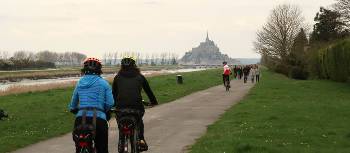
{"x":281,"y":115}
{"x":42,"y":115}
{"x":63,"y":72}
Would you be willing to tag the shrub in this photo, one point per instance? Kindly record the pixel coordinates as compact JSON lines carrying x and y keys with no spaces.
{"x":335,"y":61}
{"x":299,"y":73}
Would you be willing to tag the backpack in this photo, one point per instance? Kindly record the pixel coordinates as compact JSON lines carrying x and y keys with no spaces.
{"x":84,"y":134}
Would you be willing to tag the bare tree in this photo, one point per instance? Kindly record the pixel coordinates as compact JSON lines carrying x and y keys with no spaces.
{"x":147,"y":59}
{"x":138,"y":55}
{"x":20,"y":55}
{"x":174,"y":58}
{"x":277,"y":36}
{"x":4,"y":55}
{"x":47,"y":56}
{"x":163,"y":58}
{"x":115,"y":58}
{"x":154,"y":59}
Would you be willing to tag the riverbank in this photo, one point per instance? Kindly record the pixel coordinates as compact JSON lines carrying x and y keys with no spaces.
{"x":39,"y":116}
{"x":25,"y":86}
{"x":284,"y":115}
{"x":15,"y":76}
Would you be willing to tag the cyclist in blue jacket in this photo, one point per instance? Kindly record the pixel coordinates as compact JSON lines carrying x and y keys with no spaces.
{"x":92,"y":91}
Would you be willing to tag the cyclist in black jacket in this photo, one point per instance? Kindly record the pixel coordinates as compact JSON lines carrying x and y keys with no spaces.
{"x":127,"y":87}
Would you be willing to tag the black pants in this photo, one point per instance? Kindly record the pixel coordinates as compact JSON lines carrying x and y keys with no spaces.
{"x":257,"y":78}
{"x":245,"y":78}
{"x":101,"y":139}
{"x":226,"y":77}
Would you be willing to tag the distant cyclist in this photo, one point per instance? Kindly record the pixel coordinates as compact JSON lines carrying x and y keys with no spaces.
{"x":127,"y":87}
{"x":226,"y":74}
{"x":93,"y":94}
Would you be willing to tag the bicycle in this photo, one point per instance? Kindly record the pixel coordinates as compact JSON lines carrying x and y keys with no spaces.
{"x":226,"y":82}
{"x":128,"y":124}
{"x":84,"y":134}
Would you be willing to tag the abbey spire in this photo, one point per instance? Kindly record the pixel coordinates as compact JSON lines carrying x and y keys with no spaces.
{"x":207,"y":37}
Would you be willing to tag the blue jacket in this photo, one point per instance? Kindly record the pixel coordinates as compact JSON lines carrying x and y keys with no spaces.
{"x":92,"y":91}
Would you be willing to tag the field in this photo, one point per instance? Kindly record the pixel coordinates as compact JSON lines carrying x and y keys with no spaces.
{"x":281,"y":115}
{"x":38,"y":116}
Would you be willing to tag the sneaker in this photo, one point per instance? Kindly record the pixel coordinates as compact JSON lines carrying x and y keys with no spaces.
{"x":143,"y":145}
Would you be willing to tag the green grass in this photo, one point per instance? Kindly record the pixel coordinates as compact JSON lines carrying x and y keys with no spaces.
{"x":42,"y":115}
{"x":281,"y":115}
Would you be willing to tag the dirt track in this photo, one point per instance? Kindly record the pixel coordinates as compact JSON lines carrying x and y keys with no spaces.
{"x":169,"y":128}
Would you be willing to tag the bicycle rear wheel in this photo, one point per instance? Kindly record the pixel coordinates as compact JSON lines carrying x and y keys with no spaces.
{"x":227,"y":85}
{"x":134,"y":141}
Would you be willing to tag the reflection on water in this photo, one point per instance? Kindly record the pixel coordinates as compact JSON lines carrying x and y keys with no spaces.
{"x":27,"y":82}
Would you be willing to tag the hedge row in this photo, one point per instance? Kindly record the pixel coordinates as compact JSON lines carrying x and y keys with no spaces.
{"x":335,"y":61}
{"x":22,"y":64}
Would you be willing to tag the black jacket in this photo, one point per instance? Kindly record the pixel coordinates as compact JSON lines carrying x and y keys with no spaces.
{"x":127,"y":87}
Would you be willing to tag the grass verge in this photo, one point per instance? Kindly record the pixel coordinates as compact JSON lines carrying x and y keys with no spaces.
{"x":41,"y":115}
{"x":281,"y":115}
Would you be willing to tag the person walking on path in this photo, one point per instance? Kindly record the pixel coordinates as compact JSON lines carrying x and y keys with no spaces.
{"x":257,"y":73}
{"x":92,"y":98}
{"x":235,"y":72}
{"x":245,"y":73}
{"x":239,"y":72}
{"x":252,"y":73}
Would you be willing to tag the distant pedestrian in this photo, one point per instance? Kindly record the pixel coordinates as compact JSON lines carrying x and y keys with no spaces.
{"x":257,"y":73}
{"x":240,"y":72}
{"x":252,"y":73}
{"x":246,"y":73}
{"x":235,"y":72}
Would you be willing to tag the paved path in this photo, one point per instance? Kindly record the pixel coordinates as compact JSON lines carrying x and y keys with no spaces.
{"x":169,"y":128}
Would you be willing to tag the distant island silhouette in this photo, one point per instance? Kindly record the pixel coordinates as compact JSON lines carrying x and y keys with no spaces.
{"x":207,"y":53}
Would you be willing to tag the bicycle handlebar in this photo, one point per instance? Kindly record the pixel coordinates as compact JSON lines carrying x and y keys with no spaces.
{"x":146,"y":104}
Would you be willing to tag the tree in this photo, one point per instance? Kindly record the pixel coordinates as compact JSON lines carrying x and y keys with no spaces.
{"x":329,"y":26}
{"x":47,"y":56}
{"x":20,"y":55}
{"x":297,"y":59}
{"x":276,"y":38}
{"x":174,"y":58}
{"x":4,"y":55}
{"x":115,"y":58}
{"x":343,"y":8}
{"x":299,"y":48}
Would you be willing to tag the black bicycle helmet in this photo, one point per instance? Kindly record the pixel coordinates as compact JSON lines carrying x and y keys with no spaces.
{"x":92,"y":66}
{"x":128,"y":61}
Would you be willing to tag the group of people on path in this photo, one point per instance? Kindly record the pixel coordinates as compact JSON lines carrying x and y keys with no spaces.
{"x":93,"y":99}
{"x":247,"y":71}
{"x":242,"y":71}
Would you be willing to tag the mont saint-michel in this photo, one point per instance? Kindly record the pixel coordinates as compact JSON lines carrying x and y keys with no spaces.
{"x":207,"y":53}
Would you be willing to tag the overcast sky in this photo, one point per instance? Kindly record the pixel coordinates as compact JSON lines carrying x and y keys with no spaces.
{"x":97,"y":26}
